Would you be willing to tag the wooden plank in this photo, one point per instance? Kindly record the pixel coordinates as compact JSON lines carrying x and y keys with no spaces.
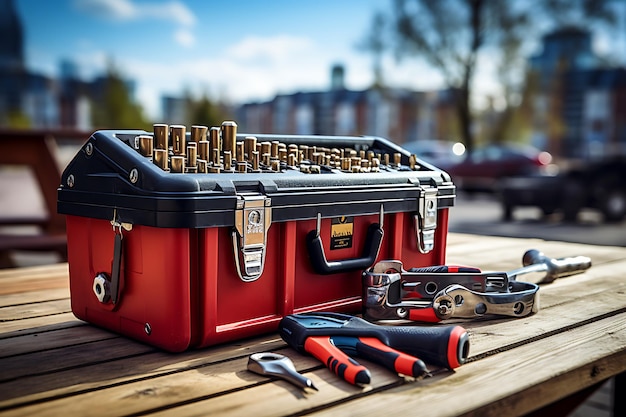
{"x":509,"y":383}
{"x":500,"y":253}
{"x":54,"y":360}
{"x":218,"y":380}
{"x":32,"y":310}
{"x":21,"y":298}
{"x":64,"y":337}
{"x":20,"y":280}
{"x":504,"y":334}
{"x":126,"y":371}
{"x":38,"y":325}
{"x":35,"y":272}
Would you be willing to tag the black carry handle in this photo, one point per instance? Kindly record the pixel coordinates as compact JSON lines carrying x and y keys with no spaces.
{"x":322,"y":266}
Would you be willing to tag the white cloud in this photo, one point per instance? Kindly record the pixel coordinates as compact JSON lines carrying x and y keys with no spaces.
{"x":129,"y":10}
{"x":173,"y":10}
{"x":110,"y":9}
{"x":273,"y":48}
{"x":185,"y":38}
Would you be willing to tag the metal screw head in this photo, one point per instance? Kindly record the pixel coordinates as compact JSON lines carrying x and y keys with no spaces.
{"x":70,"y":181}
{"x":443,"y":309}
{"x":101,"y":288}
{"x":402,"y":312}
{"x":89,"y":148}
{"x":133,"y":175}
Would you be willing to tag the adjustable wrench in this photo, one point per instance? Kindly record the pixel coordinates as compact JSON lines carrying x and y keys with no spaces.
{"x":442,"y":292}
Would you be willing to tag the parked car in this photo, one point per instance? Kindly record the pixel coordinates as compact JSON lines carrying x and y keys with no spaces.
{"x":597,"y":185}
{"x":439,"y":153}
{"x":484,"y":168}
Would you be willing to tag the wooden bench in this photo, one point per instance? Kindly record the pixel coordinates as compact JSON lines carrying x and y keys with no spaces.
{"x":52,"y":364}
{"x":38,"y":151}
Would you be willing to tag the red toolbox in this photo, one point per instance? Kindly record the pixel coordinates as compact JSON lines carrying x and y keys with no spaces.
{"x":186,"y":239}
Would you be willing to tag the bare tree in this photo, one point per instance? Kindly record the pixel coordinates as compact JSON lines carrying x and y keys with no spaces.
{"x":451,"y":35}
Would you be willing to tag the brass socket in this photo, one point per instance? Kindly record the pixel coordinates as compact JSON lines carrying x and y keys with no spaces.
{"x":215,"y":157}
{"x":178,"y":163}
{"x":229,"y":136}
{"x":192,"y":154}
{"x":255,"y":160}
{"x":240,"y":152}
{"x":228,"y":160}
{"x":146,"y":145}
{"x":160,"y":158}
{"x":161,"y":136}
{"x":203,"y":150}
{"x":178,"y":134}
{"x":198,"y":133}
{"x":249,"y":143}
{"x":215,"y":140}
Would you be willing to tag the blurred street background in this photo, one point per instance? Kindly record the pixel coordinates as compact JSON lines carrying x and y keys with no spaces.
{"x":522,"y":102}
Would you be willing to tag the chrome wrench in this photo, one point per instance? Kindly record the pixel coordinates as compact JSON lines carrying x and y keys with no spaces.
{"x":434,"y":294}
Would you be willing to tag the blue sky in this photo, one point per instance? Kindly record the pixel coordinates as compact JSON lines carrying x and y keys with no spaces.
{"x":240,"y":50}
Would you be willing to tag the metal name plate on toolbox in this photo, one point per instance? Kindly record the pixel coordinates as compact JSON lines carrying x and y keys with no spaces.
{"x":249,"y":185}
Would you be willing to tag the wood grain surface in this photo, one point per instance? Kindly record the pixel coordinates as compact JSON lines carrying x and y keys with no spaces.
{"x":54,"y":364}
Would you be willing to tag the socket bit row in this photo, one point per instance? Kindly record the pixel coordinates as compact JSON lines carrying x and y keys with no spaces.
{"x":216,"y":150}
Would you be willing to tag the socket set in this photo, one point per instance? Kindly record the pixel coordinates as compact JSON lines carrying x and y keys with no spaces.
{"x":186,"y":238}
{"x":218,"y":150}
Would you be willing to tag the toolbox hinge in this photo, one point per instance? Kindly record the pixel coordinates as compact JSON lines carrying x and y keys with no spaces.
{"x":426,"y":220}
{"x":253,"y":217}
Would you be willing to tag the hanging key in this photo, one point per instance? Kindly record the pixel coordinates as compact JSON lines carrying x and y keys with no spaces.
{"x":118,"y":253}
{"x":107,"y":287}
{"x":116,"y":266}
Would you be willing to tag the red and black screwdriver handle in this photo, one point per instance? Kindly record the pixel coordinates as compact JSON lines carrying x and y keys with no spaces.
{"x":331,"y":337}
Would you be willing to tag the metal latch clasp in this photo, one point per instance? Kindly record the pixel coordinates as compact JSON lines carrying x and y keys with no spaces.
{"x":426,"y":220}
{"x":253,"y":217}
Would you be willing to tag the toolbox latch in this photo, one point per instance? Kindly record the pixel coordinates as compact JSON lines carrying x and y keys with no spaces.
{"x":426,"y":220}
{"x":253,"y":217}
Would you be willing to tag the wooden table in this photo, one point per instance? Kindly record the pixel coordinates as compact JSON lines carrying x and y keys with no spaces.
{"x":53,"y":364}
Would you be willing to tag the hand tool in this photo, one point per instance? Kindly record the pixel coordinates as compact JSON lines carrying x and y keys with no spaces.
{"x":535,"y":261}
{"x":333,"y":338}
{"x":441,"y":292}
{"x":274,"y":364}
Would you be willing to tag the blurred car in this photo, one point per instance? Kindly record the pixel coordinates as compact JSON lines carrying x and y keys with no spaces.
{"x":483,"y":169}
{"x":439,"y":153}
{"x":596,"y":185}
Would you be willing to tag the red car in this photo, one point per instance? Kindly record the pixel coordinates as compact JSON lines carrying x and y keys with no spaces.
{"x":483,"y":168}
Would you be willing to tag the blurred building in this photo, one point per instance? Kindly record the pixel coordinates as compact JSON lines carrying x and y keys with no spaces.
{"x":399,"y":114}
{"x":29,"y":99}
{"x":23,"y":94}
{"x":175,"y":110}
{"x":579,"y":104}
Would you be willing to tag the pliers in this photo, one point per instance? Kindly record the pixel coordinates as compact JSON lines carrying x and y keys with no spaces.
{"x":334,"y":338}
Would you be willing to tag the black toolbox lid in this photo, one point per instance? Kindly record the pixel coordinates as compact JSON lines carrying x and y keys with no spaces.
{"x":108,"y":177}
